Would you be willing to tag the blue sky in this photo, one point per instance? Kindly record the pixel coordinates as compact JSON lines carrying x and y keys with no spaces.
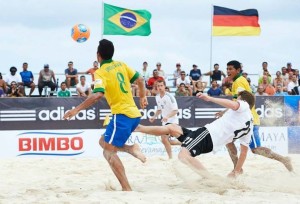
{"x":38,"y":32}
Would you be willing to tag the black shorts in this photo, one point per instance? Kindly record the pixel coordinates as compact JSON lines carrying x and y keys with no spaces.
{"x":197,"y":142}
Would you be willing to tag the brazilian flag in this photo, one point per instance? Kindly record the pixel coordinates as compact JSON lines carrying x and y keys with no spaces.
{"x":122,"y":21}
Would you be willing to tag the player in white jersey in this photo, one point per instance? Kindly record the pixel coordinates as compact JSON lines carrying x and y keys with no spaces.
{"x":236,"y":123}
{"x":168,"y":108}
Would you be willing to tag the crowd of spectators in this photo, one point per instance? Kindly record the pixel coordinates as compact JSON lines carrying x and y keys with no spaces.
{"x":285,"y":82}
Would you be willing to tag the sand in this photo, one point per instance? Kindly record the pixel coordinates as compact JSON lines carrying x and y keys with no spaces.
{"x":90,"y":180}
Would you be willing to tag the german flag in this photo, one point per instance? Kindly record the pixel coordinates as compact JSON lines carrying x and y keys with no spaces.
{"x":229,"y":22}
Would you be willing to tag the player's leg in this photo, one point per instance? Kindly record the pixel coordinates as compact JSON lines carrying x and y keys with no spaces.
{"x":32,"y":87}
{"x":171,"y":129}
{"x":174,"y":141}
{"x":232,"y":150}
{"x":166,"y":143}
{"x":256,"y":148}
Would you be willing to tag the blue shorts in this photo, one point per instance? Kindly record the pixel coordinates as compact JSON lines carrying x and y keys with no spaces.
{"x":255,"y":139}
{"x":119,"y":129}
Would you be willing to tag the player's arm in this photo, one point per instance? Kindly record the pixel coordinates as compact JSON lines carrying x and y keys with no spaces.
{"x":207,"y":73}
{"x":141,"y":86}
{"x":238,"y":168}
{"x":221,"y":101}
{"x":157,"y":113}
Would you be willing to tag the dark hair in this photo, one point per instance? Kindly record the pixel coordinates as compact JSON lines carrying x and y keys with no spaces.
{"x":161,"y":81}
{"x":106,"y":49}
{"x":63,"y":83}
{"x":235,"y":64}
{"x":182,"y":72}
{"x":145,"y":63}
{"x":13,"y":68}
{"x":154,"y":70}
{"x":70,"y":62}
{"x":0,"y":75}
{"x":265,"y":63}
{"x":248,"y":97}
{"x":216,"y":64}
{"x":25,"y":63}
{"x":181,"y":84}
{"x":82,"y":76}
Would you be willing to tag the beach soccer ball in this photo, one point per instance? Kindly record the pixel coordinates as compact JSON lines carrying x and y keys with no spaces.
{"x":80,"y":33}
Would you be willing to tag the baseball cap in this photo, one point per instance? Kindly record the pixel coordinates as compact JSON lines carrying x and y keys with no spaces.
{"x":46,"y":65}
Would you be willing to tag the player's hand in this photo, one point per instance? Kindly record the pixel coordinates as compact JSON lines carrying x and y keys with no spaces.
{"x":70,"y":114}
{"x":165,"y":119}
{"x":151,"y":119}
{"x":203,"y":96}
{"x":219,"y":114}
{"x":143,"y":102}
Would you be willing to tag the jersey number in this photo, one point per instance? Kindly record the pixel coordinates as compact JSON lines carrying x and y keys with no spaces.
{"x":241,"y":132}
{"x":120,"y":78}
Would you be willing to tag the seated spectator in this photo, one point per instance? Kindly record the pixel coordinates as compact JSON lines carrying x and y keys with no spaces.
{"x":214,"y":90}
{"x":71,"y":75}
{"x":2,"y":87}
{"x":154,"y":90}
{"x":292,"y":84}
{"x":268,"y":76}
{"x":46,"y":78}
{"x":14,"y":91}
{"x":13,"y":77}
{"x":181,"y":90}
{"x":296,"y":90}
{"x":135,"y":90}
{"x":245,"y":74}
{"x":252,"y":86}
{"x":279,"y":91}
{"x":270,"y":90}
{"x":63,"y":92}
{"x":91,"y":71}
{"x":279,"y":80}
{"x":289,"y":68}
{"x":227,"y":89}
{"x":195,"y":74}
{"x":260,"y":91}
{"x":185,"y":80}
{"x":153,"y":79}
{"x":161,"y":72}
{"x":216,"y":74}
{"x":264,"y":82}
{"x":284,"y":73}
{"x":177,"y":73}
{"x":83,"y":88}
{"x":27,"y":78}
{"x":199,"y":87}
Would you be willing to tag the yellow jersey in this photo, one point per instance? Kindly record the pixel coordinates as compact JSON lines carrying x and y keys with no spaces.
{"x":241,"y":82}
{"x":114,"y":79}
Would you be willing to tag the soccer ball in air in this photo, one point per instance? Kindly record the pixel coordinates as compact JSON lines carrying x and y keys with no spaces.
{"x":80,"y":33}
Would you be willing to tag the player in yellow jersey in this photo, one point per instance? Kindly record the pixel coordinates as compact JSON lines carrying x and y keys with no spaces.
{"x":114,"y":79}
{"x":240,"y":83}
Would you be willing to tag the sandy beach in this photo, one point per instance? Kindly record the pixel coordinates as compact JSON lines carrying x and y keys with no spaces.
{"x":90,"y":180}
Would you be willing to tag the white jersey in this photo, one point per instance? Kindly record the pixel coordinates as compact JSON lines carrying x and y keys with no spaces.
{"x":10,"y":78}
{"x":83,"y":88}
{"x":231,"y":126}
{"x":167,"y":104}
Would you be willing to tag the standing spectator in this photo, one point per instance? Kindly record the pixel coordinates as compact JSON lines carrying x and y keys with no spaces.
{"x":13,"y":76}
{"x":63,"y":92}
{"x":195,"y":74}
{"x":284,"y":72}
{"x":279,"y":91}
{"x":14,"y":91}
{"x":27,"y":78}
{"x":260,"y":91}
{"x":2,"y":87}
{"x":83,"y":88}
{"x":265,"y":67}
{"x":177,"y":73}
{"x":214,"y":90}
{"x":46,"y":78}
{"x":289,"y":68}
{"x":91,"y":71}
{"x":71,"y":75}
{"x":181,"y":90}
{"x":199,"y":87}
{"x":297,"y":75}
{"x":161,"y":72}
{"x":292,"y":84}
{"x":155,"y":77}
{"x":252,"y":86}
{"x":186,"y":81}
{"x":145,"y":72}
{"x":216,"y":74}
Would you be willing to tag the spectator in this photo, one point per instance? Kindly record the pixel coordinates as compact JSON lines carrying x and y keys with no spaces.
{"x":292,"y":84}
{"x":154,"y":90}
{"x":155,"y":77}
{"x":83,"y":88}
{"x":278,"y":80}
{"x":279,"y":91}
{"x":71,"y":75}
{"x":27,"y":78}
{"x":216,"y":74}
{"x":269,"y":78}
{"x":199,"y":87}
{"x":227,"y":89}
{"x":252,"y":86}
{"x":245,"y":74}
{"x":177,"y":72}
{"x":91,"y":71}
{"x":14,"y":91}
{"x":270,"y":90}
{"x":289,"y":67}
{"x":63,"y":92}
{"x":145,"y":72}
{"x":296,"y":90}
{"x":181,"y":90}
{"x":260,"y":91}
{"x":46,"y":78}
{"x":195,"y":74}
{"x":2,"y":87}
{"x":185,"y":80}
{"x":265,"y":67}
{"x":214,"y":90}
{"x":161,"y":72}
{"x":285,"y":75}
{"x":135,"y":90}
{"x":297,"y":75}
{"x":13,"y":77}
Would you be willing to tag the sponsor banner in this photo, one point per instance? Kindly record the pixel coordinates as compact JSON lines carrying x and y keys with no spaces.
{"x":275,"y":138}
{"x":270,"y":110}
{"x":294,"y":140}
{"x":292,"y":110}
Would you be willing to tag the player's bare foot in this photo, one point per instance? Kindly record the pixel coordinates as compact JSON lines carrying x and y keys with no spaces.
{"x":288,"y":164}
{"x":136,"y":152}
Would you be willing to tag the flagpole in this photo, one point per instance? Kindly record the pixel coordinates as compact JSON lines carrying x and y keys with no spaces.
{"x":211,"y":27}
{"x":102,"y":20}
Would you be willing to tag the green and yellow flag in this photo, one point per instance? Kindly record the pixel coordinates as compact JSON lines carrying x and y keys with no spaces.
{"x":122,"y":21}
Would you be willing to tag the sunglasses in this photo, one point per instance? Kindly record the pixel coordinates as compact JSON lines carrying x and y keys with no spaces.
{"x":158,"y":65}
